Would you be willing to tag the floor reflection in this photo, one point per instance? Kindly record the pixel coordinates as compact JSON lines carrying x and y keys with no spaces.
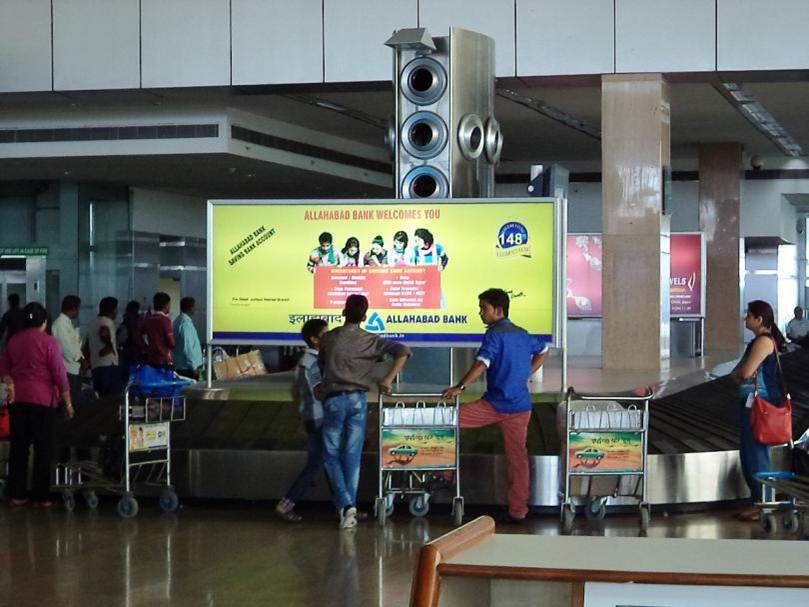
{"x":240,"y":554}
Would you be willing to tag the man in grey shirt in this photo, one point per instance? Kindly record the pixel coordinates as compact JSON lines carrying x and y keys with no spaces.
{"x":348,"y":357}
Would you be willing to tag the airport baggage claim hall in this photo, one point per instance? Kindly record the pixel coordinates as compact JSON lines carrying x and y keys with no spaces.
{"x":404,"y":302}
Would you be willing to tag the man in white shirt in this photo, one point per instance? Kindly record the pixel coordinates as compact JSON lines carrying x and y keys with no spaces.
{"x":70,"y":343}
{"x":103,"y":352}
{"x":798,"y":327}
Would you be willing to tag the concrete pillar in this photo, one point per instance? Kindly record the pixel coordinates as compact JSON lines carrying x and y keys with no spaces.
{"x":720,"y":174}
{"x":635,"y":148}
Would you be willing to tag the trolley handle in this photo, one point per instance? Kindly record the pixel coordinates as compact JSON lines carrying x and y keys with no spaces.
{"x":415,"y":394}
{"x":620,"y":396}
{"x":168,"y":384}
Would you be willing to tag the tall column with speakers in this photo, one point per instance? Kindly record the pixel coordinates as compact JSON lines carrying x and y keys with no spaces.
{"x":444,"y":137}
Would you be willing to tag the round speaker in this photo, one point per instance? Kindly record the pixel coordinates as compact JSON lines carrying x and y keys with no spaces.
{"x":390,"y":137}
{"x":494,"y":141}
{"x":470,"y":136}
{"x":424,"y":135}
{"x":423,"y":81}
{"x":425,"y":182}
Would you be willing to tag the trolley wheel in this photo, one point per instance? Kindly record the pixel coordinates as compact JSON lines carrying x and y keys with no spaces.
{"x":568,"y":516}
{"x":793,"y":521}
{"x":419,"y":505}
{"x":168,"y":500}
{"x":91,"y":499}
{"x":381,"y":510}
{"x":457,"y":511}
{"x":645,"y":517}
{"x":127,"y":506}
{"x":595,"y":509}
{"x":768,"y":523}
{"x":69,"y":501}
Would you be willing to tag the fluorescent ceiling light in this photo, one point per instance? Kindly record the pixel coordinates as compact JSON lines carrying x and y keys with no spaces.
{"x":340,"y":109}
{"x":757,"y":115}
{"x":551,"y":112}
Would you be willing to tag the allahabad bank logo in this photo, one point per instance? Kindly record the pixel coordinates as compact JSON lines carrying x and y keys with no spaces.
{"x":512,"y":240}
{"x":375,"y":323}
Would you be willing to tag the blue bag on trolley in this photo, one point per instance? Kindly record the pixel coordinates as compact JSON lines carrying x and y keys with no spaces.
{"x":157,"y":382}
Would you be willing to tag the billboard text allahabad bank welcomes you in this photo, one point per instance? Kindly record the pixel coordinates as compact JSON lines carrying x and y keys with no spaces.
{"x":270,"y":272}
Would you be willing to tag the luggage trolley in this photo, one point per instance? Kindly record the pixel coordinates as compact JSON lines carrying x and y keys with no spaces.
{"x":152,"y":401}
{"x":605,"y":436}
{"x":418,"y":443}
{"x":794,"y":507}
{"x":793,"y":489}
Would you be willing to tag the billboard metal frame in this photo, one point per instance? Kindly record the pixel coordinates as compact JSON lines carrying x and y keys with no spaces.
{"x":702,"y":269}
{"x":558,"y":330}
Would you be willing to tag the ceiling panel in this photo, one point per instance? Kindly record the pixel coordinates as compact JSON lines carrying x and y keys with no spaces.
{"x":699,"y":114}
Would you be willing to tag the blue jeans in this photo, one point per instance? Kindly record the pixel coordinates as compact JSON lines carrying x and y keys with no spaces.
{"x":754,"y":456}
{"x":344,"y":417}
{"x":314,"y":463}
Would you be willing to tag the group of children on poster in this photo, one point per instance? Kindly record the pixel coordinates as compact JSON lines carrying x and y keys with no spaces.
{"x":425,"y":251}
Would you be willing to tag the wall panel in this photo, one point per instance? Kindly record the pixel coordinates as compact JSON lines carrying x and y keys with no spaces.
{"x":25,"y":45}
{"x":96,"y":44}
{"x":185,"y":43}
{"x":355,"y":32}
{"x":277,"y":42}
{"x":665,"y":36}
{"x":565,"y":38}
{"x":495,"y":18}
{"x":755,"y":35}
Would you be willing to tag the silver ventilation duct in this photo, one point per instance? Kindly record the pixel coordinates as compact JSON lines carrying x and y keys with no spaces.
{"x":444,"y":137}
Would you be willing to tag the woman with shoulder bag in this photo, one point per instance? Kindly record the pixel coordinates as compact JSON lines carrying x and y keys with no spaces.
{"x":35,"y":376}
{"x":758,"y":370}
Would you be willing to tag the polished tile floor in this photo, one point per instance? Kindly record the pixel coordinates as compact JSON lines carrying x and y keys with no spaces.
{"x":237,"y":553}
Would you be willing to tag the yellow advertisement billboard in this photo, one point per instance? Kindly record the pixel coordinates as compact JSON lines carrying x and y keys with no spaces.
{"x":272,"y":265}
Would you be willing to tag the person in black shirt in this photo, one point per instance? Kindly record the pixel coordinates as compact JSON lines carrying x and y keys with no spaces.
{"x":13,"y":320}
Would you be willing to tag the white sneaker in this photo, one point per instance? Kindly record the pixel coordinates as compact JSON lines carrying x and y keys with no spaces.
{"x":348,"y":518}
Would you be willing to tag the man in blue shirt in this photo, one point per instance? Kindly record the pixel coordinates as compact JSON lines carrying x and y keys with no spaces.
{"x":187,"y":349}
{"x":509,"y":356}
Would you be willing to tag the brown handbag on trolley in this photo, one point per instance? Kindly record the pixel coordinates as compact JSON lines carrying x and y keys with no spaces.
{"x":772,"y":424}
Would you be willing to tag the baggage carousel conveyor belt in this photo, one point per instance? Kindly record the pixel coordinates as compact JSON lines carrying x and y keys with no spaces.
{"x":699,"y":420}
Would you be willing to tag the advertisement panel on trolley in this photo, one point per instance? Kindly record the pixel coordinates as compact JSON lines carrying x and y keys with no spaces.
{"x":275,"y":264}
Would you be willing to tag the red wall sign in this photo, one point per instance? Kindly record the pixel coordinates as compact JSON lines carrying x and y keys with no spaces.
{"x":386,"y":288}
{"x":584,"y":275}
{"x":685,"y":282}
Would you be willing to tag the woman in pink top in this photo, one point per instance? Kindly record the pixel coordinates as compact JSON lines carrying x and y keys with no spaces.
{"x":35,"y":376}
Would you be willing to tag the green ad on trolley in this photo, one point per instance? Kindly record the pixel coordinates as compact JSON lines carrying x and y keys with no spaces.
{"x":605,"y":452}
{"x":423,"y":448}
